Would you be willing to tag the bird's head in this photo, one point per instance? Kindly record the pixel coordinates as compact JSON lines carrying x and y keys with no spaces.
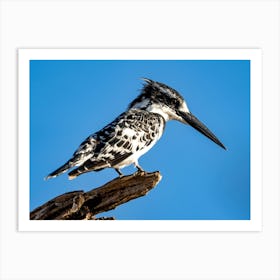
{"x":161,"y":99}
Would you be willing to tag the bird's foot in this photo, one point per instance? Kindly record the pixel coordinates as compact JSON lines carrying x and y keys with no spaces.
{"x":139,"y":171}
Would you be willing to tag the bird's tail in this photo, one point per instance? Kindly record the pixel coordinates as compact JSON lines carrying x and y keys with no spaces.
{"x":60,"y":170}
{"x":78,"y":171}
{"x":74,"y":173}
{"x":87,"y":167}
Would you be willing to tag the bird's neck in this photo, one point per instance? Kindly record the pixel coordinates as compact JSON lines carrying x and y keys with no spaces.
{"x":152,"y":107}
{"x":157,"y":109}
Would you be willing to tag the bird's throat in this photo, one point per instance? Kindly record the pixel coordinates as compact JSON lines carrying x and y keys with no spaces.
{"x":157,"y":109}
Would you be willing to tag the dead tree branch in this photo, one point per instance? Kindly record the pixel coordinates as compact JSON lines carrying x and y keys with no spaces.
{"x":80,"y":205}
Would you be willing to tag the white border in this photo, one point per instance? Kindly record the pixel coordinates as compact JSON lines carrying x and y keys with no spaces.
{"x":254,"y":55}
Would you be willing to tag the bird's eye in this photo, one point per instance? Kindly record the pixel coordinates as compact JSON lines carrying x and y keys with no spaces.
{"x":174,"y":102}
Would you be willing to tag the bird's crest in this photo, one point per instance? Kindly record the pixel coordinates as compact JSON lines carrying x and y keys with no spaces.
{"x":155,"y":91}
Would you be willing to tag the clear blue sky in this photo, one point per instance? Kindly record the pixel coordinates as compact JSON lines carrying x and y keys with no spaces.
{"x":72,"y":99}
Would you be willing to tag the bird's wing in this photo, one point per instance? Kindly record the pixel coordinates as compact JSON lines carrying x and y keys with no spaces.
{"x":85,"y":150}
{"x":82,"y":154}
{"x":131,"y":132}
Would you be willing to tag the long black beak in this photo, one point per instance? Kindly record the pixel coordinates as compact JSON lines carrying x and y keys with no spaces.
{"x":198,"y":125}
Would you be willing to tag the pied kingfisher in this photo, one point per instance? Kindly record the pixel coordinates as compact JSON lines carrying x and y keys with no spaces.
{"x":133,"y":133}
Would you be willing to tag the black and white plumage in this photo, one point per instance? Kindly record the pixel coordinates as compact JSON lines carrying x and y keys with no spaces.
{"x":133,"y":133}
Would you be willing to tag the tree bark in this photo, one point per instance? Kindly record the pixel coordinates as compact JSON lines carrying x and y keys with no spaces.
{"x":80,"y":205}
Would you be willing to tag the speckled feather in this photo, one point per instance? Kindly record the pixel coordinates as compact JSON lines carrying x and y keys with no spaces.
{"x":128,"y":134}
{"x":131,"y":132}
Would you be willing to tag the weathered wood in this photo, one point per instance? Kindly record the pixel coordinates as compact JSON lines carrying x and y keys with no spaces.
{"x":80,"y":205}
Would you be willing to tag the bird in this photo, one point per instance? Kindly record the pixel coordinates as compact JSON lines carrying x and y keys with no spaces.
{"x":133,"y":133}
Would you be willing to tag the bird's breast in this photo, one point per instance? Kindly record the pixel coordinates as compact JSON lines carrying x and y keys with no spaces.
{"x":137,"y":154}
{"x":141,"y":142}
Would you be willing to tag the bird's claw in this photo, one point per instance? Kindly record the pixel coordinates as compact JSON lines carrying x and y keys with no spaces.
{"x":139,"y":172}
